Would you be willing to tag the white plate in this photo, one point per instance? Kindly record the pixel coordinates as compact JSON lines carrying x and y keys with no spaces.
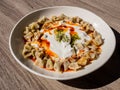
{"x":16,"y":40}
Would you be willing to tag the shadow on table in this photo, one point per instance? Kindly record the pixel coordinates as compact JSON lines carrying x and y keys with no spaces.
{"x":103,"y":76}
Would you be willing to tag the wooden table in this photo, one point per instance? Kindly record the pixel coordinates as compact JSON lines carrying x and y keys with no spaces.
{"x":15,"y":77}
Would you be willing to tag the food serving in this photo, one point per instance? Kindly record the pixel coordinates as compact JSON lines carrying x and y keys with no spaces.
{"x":61,"y":43}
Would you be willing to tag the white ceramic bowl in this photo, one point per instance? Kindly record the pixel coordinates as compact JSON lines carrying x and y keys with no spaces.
{"x":16,"y":40}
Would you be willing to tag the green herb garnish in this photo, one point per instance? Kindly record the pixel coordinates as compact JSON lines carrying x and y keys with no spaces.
{"x":73,"y":39}
{"x":60,"y":36}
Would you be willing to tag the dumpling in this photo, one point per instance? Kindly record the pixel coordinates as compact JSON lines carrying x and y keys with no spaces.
{"x":76,"y":19}
{"x":39,"y":62}
{"x":37,"y":35}
{"x":27,"y":30}
{"x":55,"y":18}
{"x":82,"y":61}
{"x":93,"y":55}
{"x":26,"y":54}
{"x":89,"y":28}
{"x":86,"y":55}
{"x":40,"y":59}
{"x":27,"y":50}
{"x":74,"y":66}
{"x":84,"y":23}
{"x":98,"y":40}
{"x":55,"y":58}
{"x":57,"y":66}
{"x":63,"y":17}
{"x":92,"y":47}
{"x":65,"y":65}
{"x":49,"y":64}
{"x":28,"y":36}
{"x":42,"y":20}
{"x":87,"y":42}
{"x":34,"y":25}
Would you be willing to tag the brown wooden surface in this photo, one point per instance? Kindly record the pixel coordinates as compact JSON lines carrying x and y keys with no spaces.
{"x":15,"y":77}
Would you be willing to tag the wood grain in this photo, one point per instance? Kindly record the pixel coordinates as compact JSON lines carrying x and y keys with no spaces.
{"x":14,"y":77}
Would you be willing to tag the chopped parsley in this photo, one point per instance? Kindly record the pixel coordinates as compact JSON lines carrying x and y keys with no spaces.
{"x":60,"y":36}
{"x":73,"y":39}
